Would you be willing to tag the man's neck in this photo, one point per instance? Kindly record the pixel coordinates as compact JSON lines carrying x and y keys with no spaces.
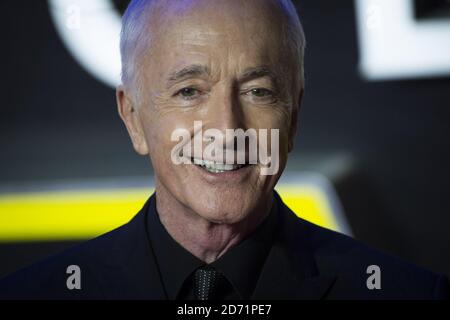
{"x":206,"y":240}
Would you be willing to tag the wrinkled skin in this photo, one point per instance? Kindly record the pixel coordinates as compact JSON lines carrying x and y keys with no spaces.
{"x":206,"y":213}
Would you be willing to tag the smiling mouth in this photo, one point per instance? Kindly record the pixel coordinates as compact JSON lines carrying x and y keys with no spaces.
{"x":214,"y":167}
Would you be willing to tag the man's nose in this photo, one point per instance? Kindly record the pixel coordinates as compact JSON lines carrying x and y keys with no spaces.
{"x":224,"y":112}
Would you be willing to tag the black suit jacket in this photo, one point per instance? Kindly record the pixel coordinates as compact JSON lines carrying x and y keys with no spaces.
{"x":305,"y":262}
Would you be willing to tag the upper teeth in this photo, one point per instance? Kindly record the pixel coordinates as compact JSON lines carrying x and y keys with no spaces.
{"x":216,"y":167}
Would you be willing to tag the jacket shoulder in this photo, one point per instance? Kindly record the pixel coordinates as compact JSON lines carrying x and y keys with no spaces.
{"x":363,"y":272}
{"x":48,"y":278}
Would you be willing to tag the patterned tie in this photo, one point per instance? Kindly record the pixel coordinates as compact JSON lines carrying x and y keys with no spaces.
{"x":206,"y":282}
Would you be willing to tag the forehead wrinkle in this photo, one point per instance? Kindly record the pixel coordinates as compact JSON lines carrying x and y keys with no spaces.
{"x":195,"y":70}
{"x":258,"y":72}
{"x":199,"y":36}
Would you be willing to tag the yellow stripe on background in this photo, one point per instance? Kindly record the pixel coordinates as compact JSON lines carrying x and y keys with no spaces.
{"x":52,"y":216}
{"x":310,"y":203}
{"x":79,"y":215}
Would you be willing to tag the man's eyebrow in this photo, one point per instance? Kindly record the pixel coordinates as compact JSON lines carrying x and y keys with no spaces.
{"x":257,"y":72}
{"x":194,"y":70}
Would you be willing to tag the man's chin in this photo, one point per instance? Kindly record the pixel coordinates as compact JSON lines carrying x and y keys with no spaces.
{"x":223,"y":210}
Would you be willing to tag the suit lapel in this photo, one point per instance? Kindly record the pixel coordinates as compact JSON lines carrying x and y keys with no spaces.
{"x":281,"y":280}
{"x":290,"y":270}
{"x":132,"y":266}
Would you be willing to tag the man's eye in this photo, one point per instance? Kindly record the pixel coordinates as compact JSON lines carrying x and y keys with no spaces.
{"x":261,"y":93}
{"x":188,"y":93}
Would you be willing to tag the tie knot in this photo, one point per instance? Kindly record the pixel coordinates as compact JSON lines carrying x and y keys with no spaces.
{"x":206,"y":283}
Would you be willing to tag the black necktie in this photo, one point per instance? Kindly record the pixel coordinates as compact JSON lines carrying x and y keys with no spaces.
{"x":207,"y":283}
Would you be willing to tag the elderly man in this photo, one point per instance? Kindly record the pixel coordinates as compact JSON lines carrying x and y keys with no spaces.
{"x":216,"y":229}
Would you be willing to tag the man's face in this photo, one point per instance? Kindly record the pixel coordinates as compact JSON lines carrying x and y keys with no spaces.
{"x":222,"y":63}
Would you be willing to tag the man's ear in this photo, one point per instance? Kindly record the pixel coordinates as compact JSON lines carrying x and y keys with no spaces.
{"x":129,"y":115}
{"x":294,"y":121}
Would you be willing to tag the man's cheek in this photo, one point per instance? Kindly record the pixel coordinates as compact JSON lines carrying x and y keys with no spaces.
{"x":157,"y":154}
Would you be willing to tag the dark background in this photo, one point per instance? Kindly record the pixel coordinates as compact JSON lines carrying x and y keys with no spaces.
{"x":57,"y":122}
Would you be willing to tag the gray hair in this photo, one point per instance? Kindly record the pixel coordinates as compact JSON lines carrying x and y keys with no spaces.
{"x":134,"y":40}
